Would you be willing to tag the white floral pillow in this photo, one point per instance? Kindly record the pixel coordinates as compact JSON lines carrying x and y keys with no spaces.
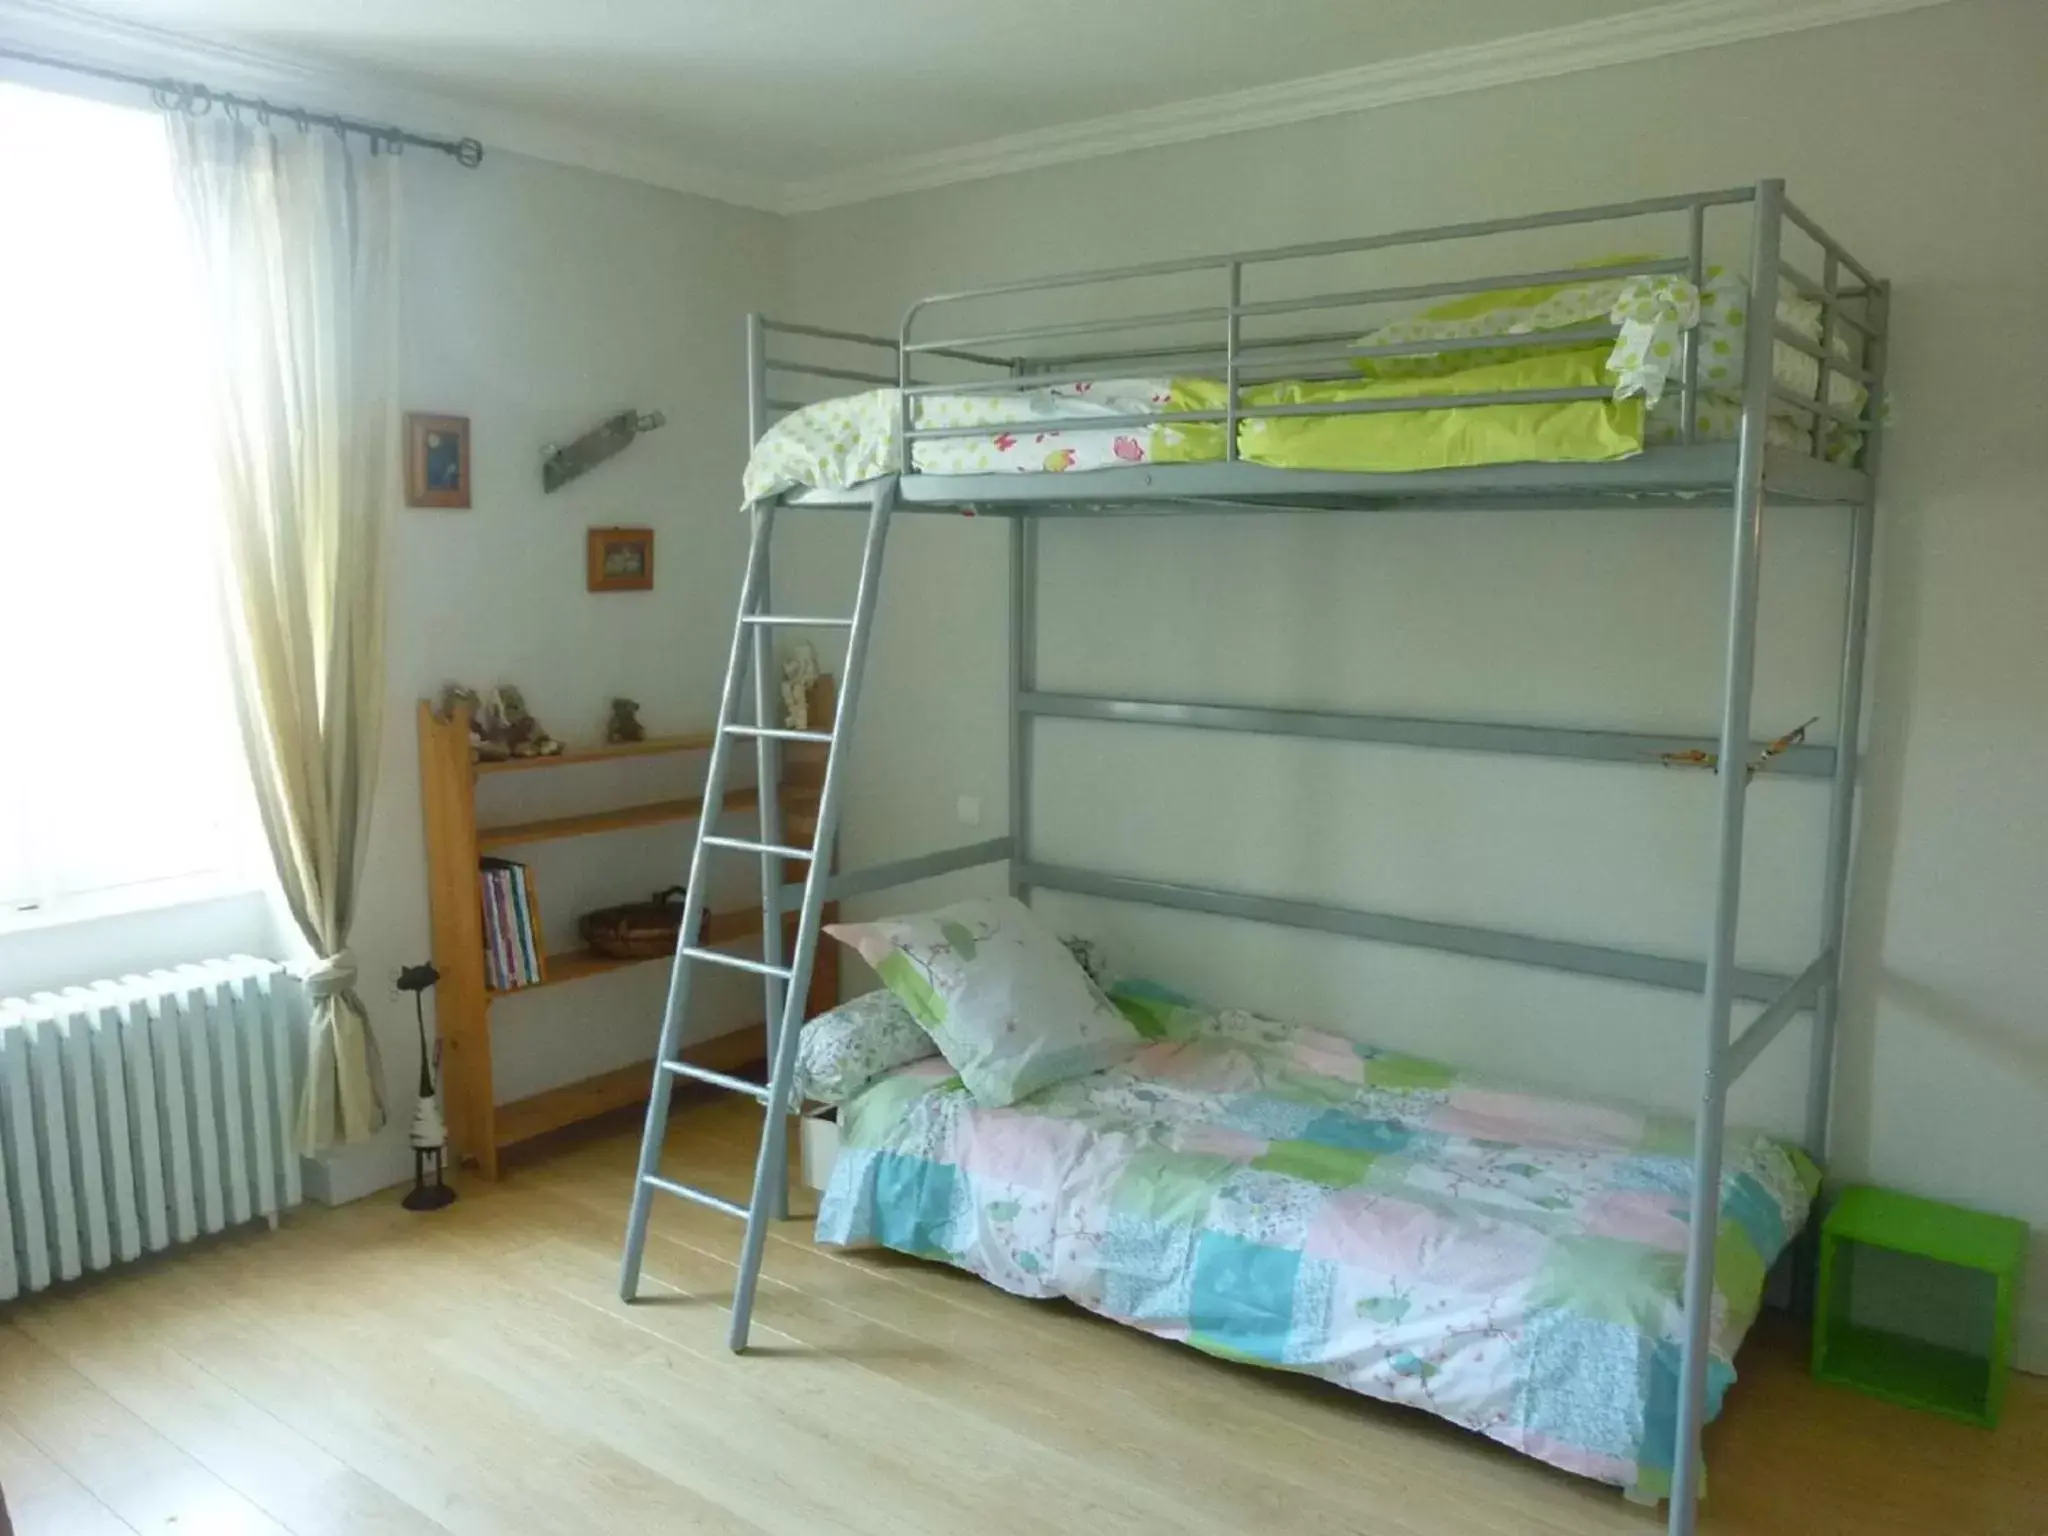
{"x":1007,"y":1004}
{"x":840,"y":1052}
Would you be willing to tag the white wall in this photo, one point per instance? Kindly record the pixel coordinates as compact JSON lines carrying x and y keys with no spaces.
{"x":536,"y":301}
{"x":1915,"y":139}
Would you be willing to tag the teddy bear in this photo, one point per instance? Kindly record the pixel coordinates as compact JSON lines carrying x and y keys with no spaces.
{"x":799,"y":671}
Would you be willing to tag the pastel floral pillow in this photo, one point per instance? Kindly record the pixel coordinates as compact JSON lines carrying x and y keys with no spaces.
{"x":841,"y":1052}
{"x":1007,"y":1004}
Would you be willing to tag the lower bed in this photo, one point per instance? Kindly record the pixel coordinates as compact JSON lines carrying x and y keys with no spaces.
{"x":1293,"y":1199}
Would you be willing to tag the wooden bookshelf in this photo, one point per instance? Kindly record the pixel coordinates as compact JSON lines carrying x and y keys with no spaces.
{"x":478,"y":1126}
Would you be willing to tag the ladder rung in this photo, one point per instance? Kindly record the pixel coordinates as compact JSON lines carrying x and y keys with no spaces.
{"x":737,"y":962}
{"x":701,"y":1196}
{"x":691,"y":1070}
{"x":777,"y":732}
{"x":804,"y":620}
{"x":746,"y":847}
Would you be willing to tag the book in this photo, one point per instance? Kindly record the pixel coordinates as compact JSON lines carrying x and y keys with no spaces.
{"x":514,"y":954}
{"x":494,"y":976}
{"x":522,"y":924}
{"x":501,"y":927}
{"x":540,"y":943}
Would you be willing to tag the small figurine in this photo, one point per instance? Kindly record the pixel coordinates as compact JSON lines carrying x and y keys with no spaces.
{"x":624,"y":725}
{"x":799,"y":671}
{"x":481,"y":747}
{"x":508,"y":724}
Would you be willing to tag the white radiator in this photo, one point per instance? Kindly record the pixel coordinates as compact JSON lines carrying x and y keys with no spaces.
{"x":139,"y":1113}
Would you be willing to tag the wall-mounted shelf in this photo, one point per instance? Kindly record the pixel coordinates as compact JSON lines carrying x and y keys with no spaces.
{"x":479,"y":1127}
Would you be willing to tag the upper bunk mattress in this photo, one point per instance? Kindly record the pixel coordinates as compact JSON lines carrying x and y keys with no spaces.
{"x":1290,"y":1198}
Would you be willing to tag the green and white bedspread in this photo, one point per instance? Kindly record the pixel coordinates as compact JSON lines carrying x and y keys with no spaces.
{"x":1293,"y":1199}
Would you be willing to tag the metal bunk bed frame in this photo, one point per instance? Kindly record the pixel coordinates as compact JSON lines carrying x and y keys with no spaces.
{"x":1737,"y":477}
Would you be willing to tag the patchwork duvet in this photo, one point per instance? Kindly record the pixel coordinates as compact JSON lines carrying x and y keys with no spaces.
{"x":1291,"y":1198}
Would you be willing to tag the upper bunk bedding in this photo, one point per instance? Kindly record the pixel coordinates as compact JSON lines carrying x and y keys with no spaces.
{"x":1290,"y":1198}
{"x":839,"y":443}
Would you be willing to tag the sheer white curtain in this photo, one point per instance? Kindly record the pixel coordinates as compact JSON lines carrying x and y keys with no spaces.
{"x":292,"y":234}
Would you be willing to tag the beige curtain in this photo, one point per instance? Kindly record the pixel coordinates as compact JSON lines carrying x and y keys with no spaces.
{"x":293,"y":236}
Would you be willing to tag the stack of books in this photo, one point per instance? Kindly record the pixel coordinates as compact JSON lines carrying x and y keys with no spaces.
{"x":513,"y":953}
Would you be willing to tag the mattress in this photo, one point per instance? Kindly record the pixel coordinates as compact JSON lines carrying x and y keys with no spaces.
{"x":1289,"y":1198}
{"x":840,"y":443}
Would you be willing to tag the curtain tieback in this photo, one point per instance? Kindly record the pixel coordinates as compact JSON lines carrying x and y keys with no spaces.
{"x":331,"y":977}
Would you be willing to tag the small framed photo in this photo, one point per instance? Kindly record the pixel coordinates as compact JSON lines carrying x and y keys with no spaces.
{"x":436,"y":460}
{"x":620,"y":559}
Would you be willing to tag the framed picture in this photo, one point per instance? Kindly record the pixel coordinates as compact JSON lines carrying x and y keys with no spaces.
{"x":620,"y":559}
{"x":436,"y":460}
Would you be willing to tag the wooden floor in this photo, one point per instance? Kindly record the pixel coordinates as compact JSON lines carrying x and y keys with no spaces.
{"x":366,"y":1370}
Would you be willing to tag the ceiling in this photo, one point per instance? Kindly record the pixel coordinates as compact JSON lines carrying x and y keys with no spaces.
{"x":794,"y":94}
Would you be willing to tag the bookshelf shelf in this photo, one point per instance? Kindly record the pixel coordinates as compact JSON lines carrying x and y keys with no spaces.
{"x":575,"y":964}
{"x":652,"y":814}
{"x":653,"y":746}
{"x":522,"y":1120}
{"x":478,"y":1126}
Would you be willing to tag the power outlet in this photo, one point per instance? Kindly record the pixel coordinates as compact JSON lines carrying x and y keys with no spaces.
{"x":968,"y":809}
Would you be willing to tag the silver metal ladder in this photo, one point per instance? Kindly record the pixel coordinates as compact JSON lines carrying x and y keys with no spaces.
{"x":785,"y":986}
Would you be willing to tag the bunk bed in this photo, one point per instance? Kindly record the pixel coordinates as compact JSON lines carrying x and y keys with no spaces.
{"x":1526,"y":385}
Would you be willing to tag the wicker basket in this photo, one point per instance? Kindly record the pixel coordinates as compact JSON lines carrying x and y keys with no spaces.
{"x":638,"y":930}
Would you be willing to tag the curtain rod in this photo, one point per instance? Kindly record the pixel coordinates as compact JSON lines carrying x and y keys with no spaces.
{"x":198,"y":100}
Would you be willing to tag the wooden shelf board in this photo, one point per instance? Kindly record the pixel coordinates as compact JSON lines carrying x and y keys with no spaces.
{"x":653,"y":746}
{"x":524,"y":1119}
{"x":575,"y":964}
{"x":652,"y":814}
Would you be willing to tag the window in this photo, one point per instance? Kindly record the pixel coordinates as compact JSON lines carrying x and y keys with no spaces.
{"x":121,"y":774}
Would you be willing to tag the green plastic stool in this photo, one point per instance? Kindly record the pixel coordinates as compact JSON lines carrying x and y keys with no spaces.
{"x":1956,"y":1383}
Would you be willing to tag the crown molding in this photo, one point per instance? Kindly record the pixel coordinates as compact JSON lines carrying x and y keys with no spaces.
{"x":62,"y":31}
{"x":1679,"y":26}
{"x":1655,"y":32}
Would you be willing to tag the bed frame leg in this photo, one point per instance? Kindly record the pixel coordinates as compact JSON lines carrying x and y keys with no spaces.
{"x":1745,"y":555}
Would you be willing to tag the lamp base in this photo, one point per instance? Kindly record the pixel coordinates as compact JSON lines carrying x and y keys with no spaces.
{"x":428,"y":1197}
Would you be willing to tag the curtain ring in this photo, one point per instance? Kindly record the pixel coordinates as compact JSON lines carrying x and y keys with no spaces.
{"x":167,"y":95}
{"x":198,"y":100}
{"x":299,"y":116}
{"x":469,"y":154}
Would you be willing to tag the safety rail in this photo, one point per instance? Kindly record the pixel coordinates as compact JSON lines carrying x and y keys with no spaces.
{"x":1019,"y":357}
